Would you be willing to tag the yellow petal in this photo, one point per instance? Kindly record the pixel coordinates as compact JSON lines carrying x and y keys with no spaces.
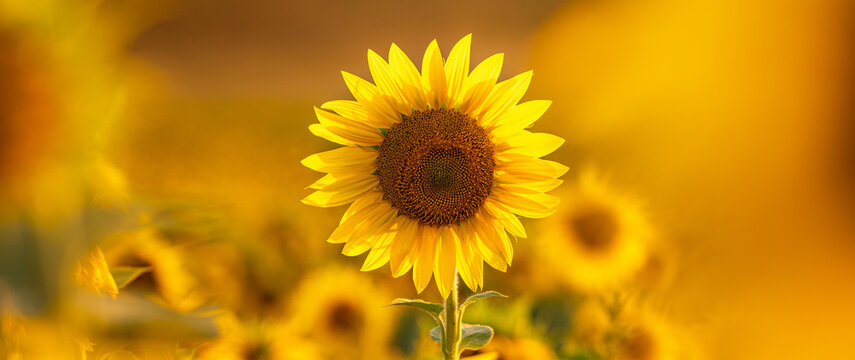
{"x":363,"y":208}
{"x":529,"y":187}
{"x":355,"y":111}
{"x":386,"y":83}
{"x":423,"y":268}
{"x":519,"y":117}
{"x":370,"y":198}
{"x":504,"y":95}
{"x":457,"y":69}
{"x":529,"y":170}
{"x":480,"y":83}
{"x":342,"y":191}
{"x":409,"y":78}
{"x":404,"y":241}
{"x":343,"y":157}
{"x":340,"y":173}
{"x":509,"y":221}
{"x":529,"y":144}
{"x":356,"y":132}
{"x":489,"y":243}
{"x":506,"y":242}
{"x":322,"y":132}
{"x":379,"y":254}
{"x":433,"y":76}
{"x":464,"y":248}
{"x":371,"y":98}
{"x":379,"y":222}
{"x":528,"y":205}
{"x":446,"y":259}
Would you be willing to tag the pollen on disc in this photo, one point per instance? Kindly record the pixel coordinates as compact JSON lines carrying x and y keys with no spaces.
{"x":436,"y":166}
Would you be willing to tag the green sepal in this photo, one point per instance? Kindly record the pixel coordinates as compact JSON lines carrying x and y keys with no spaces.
{"x":477,"y":297}
{"x":383,"y":131}
{"x":474,"y":337}
{"x":124,"y":275}
{"x":375,"y":147}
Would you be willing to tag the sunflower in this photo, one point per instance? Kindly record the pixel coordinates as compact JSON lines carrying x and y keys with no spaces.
{"x":644,"y":336}
{"x":600,"y":238}
{"x":503,"y":348}
{"x":168,"y":278}
{"x":249,"y":340}
{"x":436,"y":165}
{"x":343,"y":310}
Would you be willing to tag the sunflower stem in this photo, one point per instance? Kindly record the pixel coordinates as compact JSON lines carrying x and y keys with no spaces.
{"x":451,"y":338}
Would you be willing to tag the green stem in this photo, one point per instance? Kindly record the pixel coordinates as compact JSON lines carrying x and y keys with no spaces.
{"x":451,"y":338}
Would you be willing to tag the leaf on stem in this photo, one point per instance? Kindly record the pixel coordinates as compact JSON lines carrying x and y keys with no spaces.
{"x":432,"y":308}
{"x":477,"y":297}
{"x":474,"y":337}
{"x":436,"y":334}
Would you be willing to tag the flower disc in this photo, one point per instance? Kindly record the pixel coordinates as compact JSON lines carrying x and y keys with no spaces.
{"x":436,"y":166}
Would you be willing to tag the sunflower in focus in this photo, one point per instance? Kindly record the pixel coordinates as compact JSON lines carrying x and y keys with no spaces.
{"x":436,"y":165}
{"x":600,"y":238}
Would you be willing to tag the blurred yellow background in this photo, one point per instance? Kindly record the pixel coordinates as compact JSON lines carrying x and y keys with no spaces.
{"x":728,"y":122}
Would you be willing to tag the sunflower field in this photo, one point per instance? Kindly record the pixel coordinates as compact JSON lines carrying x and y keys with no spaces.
{"x":511,"y":180}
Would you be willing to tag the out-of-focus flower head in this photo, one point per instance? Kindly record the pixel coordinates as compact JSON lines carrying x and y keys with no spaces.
{"x":343,"y":310}
{"x":598,"y":239}
{"x":167,"y":278}
{"x":504,"y":348}
{"x":256,"y":339}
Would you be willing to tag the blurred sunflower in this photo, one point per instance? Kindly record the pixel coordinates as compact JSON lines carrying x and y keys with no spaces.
{"x":61,"y":88}
{"x":24,"y":338}
{"x":344,"y":311}
{"x":503,"y":348}
{"x":590,"y":324}
{"x":601,"y":238}
{"x":167,"y":277}
{"x":437,"y":165}
{"x":644,"y":336}
{"x":250,"y":340}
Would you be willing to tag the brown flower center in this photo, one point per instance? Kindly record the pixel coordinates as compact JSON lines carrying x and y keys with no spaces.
{"x":436,"y":166}
{"x":344,"y":318}
{"x":639,"y":345}
{"x":596,"y":228}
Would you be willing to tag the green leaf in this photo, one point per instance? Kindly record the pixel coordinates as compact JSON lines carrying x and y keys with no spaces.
{"x":436,"y":334}
{"x":124,"y":275}
{"x":474,"y":337}
{"x":432,"y":308}
{"x":479,"y":296}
